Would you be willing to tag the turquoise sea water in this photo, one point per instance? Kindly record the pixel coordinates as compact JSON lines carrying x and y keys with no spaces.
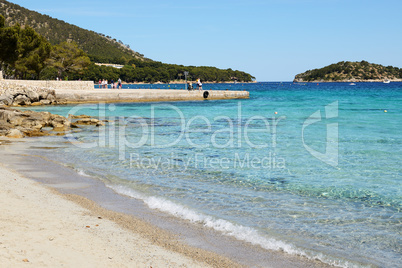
{"x":310,"y":169}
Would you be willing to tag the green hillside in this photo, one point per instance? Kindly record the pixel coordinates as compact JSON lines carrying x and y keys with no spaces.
{"x":98,"y":47}
{"x":346,"y":71}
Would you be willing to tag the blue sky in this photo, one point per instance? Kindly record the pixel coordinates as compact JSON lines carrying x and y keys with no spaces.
{"x":273,"y":39}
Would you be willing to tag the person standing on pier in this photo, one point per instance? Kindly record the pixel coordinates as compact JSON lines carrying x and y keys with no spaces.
{"x":199,"y":84}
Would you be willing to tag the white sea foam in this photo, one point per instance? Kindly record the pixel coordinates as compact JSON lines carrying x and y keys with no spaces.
{"x":237,"y":231}
{"x":82,"y":173}
{"x":240,"y":232}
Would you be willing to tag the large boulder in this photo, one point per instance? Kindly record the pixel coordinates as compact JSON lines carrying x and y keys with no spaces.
{"x":6,"y":100}
{"x":21,"y":100}
{"x":32,"y":95}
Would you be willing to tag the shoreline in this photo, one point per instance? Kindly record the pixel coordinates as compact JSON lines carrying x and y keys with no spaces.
{"x":196,"y":242}
{"x":179,"y":82}
{"x":348,"y":81}
{"x":48,"y":228}
{"x":71,"y":231}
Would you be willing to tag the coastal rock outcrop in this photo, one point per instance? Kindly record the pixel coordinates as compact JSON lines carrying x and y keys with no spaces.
{"x":21,"y":95}
{"x":85,"y":120}
{"x":17,"y":124}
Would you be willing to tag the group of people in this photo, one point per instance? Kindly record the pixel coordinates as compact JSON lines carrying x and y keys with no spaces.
{"x":104,"y":84}
{"x":199,"y":85}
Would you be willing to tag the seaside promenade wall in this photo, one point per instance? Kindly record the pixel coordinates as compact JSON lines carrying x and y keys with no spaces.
{"x":77,"y":85}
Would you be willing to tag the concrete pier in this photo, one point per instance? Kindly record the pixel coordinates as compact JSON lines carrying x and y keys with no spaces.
{"x":145,"y":95}
{"x":85,"y":91}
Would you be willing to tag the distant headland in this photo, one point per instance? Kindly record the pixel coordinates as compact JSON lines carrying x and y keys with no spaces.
{"x":346,"y":71}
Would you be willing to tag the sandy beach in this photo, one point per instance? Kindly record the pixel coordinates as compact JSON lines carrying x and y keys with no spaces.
{"x":50,"y":216}
{"x":42,"y":228}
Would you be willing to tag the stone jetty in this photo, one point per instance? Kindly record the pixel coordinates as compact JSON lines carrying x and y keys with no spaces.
{"x":145,"y":95}
{"x":17,"y":124}
{"x":31,"y":92}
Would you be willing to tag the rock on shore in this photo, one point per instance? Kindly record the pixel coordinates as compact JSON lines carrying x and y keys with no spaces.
{"x":85,"y":120}
{"x":17,"y":124}
{"x":20,"y":95}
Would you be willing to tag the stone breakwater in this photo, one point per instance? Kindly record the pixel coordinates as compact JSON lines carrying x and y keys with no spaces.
{"x":52,"y":84}
{"x":37,"y":92}
{"x":21,"y":95}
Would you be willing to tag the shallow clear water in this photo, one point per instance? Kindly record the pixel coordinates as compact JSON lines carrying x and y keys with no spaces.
{"x":311,"y":169}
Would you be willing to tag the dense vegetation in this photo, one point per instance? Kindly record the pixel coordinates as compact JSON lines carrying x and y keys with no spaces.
{"x":25,"y":54}
{"x":50,"y":32}
{"x":98,"y":47}
{"x":151,"y":72}
{"x":350,"y":71}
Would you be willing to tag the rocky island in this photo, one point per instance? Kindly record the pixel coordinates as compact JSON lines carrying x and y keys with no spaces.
{"x":346,"y":71}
